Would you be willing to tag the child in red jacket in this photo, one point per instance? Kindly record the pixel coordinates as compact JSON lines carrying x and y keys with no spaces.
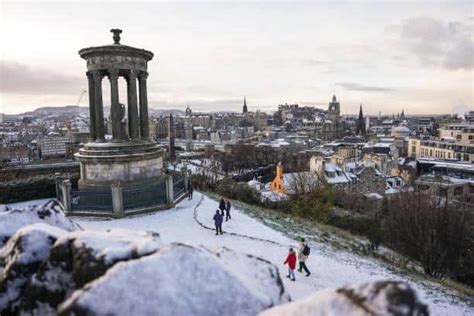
{"x":291,"y":261}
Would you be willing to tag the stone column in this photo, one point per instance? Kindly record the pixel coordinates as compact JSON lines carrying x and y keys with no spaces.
{"x":117,"y":199}
{"x":92,"y":123}
{"x":133,"y":123}
{"x":170,"y":190}
{"x":99,"y":110}
{"x":66,"y":189}
{"x":115,"y":111}
{"x":144,"y":123}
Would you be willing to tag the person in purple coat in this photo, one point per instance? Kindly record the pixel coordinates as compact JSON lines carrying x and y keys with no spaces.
{"x":218,"y":222}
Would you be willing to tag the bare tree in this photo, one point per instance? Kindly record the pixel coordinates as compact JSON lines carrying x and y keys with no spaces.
{"x":427,"y":226}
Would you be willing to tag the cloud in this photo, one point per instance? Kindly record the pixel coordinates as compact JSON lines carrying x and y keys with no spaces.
{"x":437,"y":43}
{"x":19,"y":78}
{"x":352,"y":86}
{"x":314,"y":62}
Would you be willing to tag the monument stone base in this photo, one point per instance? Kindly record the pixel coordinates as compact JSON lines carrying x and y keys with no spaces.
{"x":103,"y":164}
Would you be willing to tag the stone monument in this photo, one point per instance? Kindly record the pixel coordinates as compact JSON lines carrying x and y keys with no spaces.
{"x":123,"y":174}
{"x":129,"y":156}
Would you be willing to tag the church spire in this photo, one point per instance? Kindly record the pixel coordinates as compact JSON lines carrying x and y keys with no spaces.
{"x":361,"y":123}
{"x":244,"y":109}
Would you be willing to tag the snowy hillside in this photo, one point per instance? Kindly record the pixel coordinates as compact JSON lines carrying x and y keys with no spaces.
{"x":171,"y":262}
{"x":330,"y":268}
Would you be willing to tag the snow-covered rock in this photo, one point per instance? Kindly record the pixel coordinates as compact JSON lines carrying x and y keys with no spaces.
{"x":181,"y":280}
{"x":376,"y":298}
{"x":49,"y":213}
{"x":256,"y":273}
{"x":20,"y":258}
{"x":78,"y":258}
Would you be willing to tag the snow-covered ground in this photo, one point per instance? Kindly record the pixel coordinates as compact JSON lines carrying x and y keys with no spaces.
{"x":333,"y":268}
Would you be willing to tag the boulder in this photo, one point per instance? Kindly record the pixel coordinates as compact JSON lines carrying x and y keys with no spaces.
{"x":19,"y":260}
{"x":50,"y":213}
{"x":78,"y":258}
{"x":256,"y":273}
{"x":375,"y":298}
{"x":181,"y":280}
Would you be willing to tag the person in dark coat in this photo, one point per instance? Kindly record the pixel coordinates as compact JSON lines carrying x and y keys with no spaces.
{"x":218,"y":222}
{"x":222,"y":206}
{"x":190,"y":192}
{"x":227,"y":210}
{"x":291,"y":261}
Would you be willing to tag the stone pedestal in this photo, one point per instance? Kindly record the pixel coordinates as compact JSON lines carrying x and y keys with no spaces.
{"x":102,"y":164}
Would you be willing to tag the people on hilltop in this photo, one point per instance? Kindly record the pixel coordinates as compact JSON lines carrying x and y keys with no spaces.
{"x":218,"y":222}
{"x":222,"y":206}
{"x":303,"y":253}
{"x":190,"y":191}
{"x":291,"y":262}
{"x":227,"y":210}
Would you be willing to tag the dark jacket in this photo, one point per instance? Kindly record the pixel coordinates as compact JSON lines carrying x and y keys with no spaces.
{"x":227,"y":206}
{"x":222,"y":205}
{"x":217,"y":218}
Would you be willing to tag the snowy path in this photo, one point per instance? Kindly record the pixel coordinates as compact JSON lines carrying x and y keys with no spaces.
{"x":330,"y":268}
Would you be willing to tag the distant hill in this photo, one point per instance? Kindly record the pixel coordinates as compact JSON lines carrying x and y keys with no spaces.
{"x":72,"y":110}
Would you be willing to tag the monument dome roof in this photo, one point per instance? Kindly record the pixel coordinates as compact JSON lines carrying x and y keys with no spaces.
{"x":115,"y":49}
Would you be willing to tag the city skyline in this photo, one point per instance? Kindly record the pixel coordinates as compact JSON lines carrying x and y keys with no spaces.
{"x":387,"y":56}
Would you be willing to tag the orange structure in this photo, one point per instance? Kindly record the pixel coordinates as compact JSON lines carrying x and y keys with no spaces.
{"x":278,"y":183}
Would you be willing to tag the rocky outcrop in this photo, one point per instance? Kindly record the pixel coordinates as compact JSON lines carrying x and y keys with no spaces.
{"x":376,"y":298}
{"x":50,"y":213}
{"x":181,"y":280}
{"x":20,"y":259}
{"x":78,"y":258}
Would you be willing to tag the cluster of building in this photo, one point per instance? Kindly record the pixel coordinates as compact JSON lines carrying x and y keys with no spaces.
{"x":32,"y":138}
{"x":371,"y":155}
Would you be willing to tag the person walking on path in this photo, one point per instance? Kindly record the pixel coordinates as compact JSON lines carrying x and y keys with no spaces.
{"x":291,"y":261}
{"x":227,"y":210}
{"x":190,"y":192}
{"x":222,"y":206}
{"x":218,"y":222}
{"x":303,"y":253}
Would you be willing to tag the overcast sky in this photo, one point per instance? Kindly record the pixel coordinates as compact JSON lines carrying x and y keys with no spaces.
{"x":387,"y":55}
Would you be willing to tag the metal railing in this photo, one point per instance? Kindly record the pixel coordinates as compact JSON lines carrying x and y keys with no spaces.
{"x":143,"y":196}
{"x":179,"y":186}
{"x":91,"y":200}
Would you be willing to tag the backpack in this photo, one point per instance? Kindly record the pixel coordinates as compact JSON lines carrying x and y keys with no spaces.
{"x":306,"y":250}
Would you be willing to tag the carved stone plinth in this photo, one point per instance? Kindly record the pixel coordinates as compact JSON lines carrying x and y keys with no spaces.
{"x":104,"y":163}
